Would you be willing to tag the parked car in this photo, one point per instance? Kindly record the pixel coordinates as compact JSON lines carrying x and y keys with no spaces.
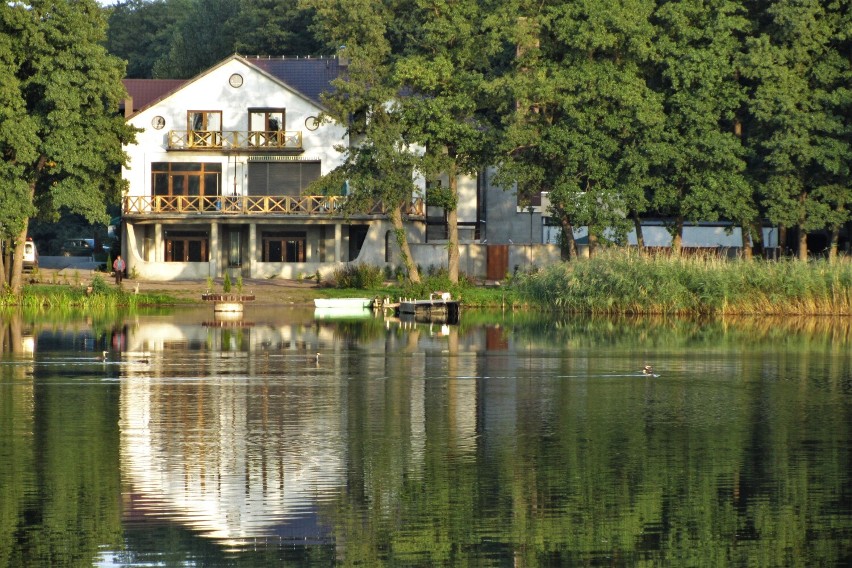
{"x":30,"y":255}
{"x":78,"y":247}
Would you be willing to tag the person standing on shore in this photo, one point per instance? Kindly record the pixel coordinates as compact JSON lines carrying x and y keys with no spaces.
{"x":118,"y":267}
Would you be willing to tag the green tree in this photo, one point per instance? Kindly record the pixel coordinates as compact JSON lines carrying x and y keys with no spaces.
{"x":61,"y":138}
{"x":416,"y":78}
{"x":583,"y":114}
{"x":380,"y":165}
{"x":699,"y":170}
{"x":445,"y":70}
{"x":141,"y":31}
{"x":276,"y":27}
{"x":205,"y":35}
{"x":800,"y":108}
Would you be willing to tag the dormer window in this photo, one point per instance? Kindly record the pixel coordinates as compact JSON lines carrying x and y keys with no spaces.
{"x":204,"y":128}
{"x":266,"y":127}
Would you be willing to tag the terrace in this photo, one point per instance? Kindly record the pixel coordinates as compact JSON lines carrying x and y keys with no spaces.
{"x":307,"y":206}
{"x":275,"y":140}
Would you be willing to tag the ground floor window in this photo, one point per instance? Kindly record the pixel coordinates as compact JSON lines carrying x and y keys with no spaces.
{"x":187,"y":246}
{"x":284,"y":247}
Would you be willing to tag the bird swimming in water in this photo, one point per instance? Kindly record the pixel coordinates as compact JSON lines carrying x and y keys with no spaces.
{"x":648,"y":371}
{"x":103,"y":356}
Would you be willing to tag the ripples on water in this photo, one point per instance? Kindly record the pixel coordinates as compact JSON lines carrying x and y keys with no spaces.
{"x":494,"y":444}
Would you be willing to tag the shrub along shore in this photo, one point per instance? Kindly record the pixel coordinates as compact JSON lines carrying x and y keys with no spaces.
{"x":614,"y":282}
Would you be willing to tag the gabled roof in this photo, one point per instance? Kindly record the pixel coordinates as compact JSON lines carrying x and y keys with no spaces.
{"x":309,"y":77}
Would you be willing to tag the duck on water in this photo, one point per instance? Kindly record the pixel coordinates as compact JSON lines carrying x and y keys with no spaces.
{"x":648,"y":371}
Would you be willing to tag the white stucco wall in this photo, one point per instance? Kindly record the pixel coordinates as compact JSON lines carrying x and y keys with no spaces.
{"x":212,"y":92}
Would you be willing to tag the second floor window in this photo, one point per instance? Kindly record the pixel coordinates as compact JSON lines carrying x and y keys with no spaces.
{"x":204,"y":128}
{"x":266,"y":127}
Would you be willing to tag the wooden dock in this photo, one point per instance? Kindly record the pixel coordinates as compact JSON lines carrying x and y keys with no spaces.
{"x":439,"y":307}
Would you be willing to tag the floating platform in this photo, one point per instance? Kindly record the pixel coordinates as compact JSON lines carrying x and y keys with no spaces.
{"x":438,"y":308}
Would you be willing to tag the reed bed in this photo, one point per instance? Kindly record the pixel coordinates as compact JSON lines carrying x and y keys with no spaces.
{"x":98,"y":295}
{"x":627,"y":282}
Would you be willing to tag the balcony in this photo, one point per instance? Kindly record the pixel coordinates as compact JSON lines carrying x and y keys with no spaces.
{"x":308,"y":205}
{"x":228,"y":140}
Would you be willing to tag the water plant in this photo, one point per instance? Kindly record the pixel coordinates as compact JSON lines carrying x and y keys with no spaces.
{"x":626,"y":282}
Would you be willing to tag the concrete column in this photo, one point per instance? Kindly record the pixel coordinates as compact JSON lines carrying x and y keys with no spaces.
{"x":252,"y":250}
{"x":159,"y":250}
{"x":338,"y":239}
{"x":214,"y":249}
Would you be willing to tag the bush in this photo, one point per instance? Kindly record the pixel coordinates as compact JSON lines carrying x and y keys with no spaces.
{"x":365,"y":276}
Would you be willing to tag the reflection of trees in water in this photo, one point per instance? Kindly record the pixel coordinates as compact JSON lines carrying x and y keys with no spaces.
{"x":799,"y":333}
{"x":583,"y":471}
{"x":59,"y":480}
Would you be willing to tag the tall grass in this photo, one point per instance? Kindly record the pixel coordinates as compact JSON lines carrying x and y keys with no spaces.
{"x":626,"y":282}
{"x":63,"y":297}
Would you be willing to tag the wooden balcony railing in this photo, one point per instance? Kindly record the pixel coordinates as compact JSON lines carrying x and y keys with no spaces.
{"x":250,"y":204}
{"x":234,"y":140}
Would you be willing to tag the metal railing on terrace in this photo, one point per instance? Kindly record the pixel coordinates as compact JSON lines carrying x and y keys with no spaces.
{"x":251,"y":205}
{"x":234,"y":140}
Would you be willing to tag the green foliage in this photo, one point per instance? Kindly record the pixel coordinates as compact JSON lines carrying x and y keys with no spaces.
{"x":621,"y":282}
{"x":58,"y":296}
{"x":801,"y":71}
{"x":226,"y":283}
{"x":358,"y":275}
{"x":180,"y":38}
{"x":59,"y":133}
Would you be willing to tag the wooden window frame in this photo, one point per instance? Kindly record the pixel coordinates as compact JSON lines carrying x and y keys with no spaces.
{"x":204,"y":170}
{"x":203,"y":136}
{"x":298,"y":240}
{"x":185,"y":238}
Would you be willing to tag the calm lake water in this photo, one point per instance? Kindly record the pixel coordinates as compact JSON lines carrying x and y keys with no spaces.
{"x":508,"y":440}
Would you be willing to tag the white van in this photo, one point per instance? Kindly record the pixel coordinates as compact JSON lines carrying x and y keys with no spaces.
{"x":30,"y":255}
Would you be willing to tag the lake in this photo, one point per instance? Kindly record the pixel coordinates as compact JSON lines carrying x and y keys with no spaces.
{"x":289,"y":437}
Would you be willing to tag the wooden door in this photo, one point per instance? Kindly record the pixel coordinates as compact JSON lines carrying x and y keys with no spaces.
{"x":497,"y":262}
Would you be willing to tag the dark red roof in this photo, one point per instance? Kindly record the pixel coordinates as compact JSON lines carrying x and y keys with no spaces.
{"x":145,"y":91}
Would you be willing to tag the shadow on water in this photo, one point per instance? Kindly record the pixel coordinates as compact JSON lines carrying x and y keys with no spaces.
{"x":510,"y":438}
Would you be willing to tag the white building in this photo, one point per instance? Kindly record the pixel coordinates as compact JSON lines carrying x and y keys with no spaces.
{"x":217,"y":177}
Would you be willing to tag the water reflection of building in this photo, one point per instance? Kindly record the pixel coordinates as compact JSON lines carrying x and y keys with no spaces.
{"x":236,"y":431}
{"x":228,"y":451}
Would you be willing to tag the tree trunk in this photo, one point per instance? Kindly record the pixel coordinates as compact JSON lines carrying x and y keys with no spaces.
{"x":832,"y":244}
{"x":453,"y":229}
{"x":593,"y":243}
{"x":3,"y":278}
{"x":803,"y":243}
{"x":640,"y":238}
{"x":404,"y":248}
{"x":677,"y":238}
{"x":568,"y":233}
{"x":747,"y":241}
{"x":781,"y":249}
{"x":17,"y":281}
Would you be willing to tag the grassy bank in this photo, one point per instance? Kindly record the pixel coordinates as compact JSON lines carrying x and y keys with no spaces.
{"x":94,"y":296}
{"x":618,"y":282}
